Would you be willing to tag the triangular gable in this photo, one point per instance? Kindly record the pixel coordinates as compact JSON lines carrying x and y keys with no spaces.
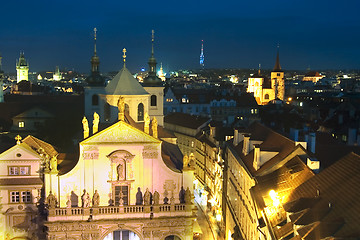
{"x":120,"y":132}
{"x":23,"y":149}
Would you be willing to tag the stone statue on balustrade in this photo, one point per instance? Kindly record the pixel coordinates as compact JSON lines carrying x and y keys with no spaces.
{"x":187,"y":196}
{"x":139,"y":197}
{"x":166,"y":199}
{"x":96,"y":199}
{"x":156,"y":198}
{"x":51,"y":200}
{"x":121,"y":198}
{"x":147,"y":197}
{"x":85,"y":199}
{"x":182,"y":195}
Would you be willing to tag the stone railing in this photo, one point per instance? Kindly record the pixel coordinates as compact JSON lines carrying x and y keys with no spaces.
{"x":134,"y":211}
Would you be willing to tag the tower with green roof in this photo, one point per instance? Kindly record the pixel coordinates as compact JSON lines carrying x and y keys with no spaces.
{"x":154,"y":86}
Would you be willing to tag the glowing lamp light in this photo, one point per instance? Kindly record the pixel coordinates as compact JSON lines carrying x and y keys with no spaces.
{"x":218,"y":217}
{"x":274,"y":197}
{"x":289,"y":99}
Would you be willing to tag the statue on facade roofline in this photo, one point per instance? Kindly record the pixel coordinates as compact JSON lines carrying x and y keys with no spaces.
{"x":139,"y":197}
{"x":96,"y":199}
{"x":154,"y":125}
{"x":147,"y":197}
{"x":121,"y":107}
{"x":85,"y":127}
{"x":53,"y":164}
{"x":51,"y":200}
{"x":187,"y":196}
{"x":96,"y":123}
{"x":156,"y":198}
{"x":182,"y":195}
{"x":85,"y":199}
{"x":146,"y":123}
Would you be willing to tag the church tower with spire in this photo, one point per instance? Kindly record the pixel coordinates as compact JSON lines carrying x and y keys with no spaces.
{"x":154,"y":86}
{"x":22,"y":68}
{"x":95,"y":87}
{"x":277,"y":79}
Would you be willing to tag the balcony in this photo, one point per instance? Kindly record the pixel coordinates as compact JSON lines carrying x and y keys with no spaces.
{"x":121,"y":212}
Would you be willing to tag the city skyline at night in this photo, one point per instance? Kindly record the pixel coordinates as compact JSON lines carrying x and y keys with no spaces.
{"x":320,"y":35}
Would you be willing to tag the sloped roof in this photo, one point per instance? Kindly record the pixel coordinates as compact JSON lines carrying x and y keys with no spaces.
{"x":172,"y":156}
{"x":338,"y":186}
{"x":35,"y":144}
{"x":124,"y":84}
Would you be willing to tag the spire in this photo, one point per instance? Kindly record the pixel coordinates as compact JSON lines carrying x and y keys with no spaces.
{"x":95,"y":79}
{"x":202,"y":57}
{"x":277,"y":67}
{"x":259,"y":71}
{"x":95,"y":62}
{"x":95,"y":30}
{"x":152,"y":79}
{"x":124,"y":56}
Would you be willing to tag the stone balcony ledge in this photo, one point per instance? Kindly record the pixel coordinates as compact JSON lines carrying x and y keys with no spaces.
{"x":120,"y":212}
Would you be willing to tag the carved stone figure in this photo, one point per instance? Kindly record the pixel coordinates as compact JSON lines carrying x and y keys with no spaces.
{"x":192,"y":160}
{"x":68,"y":202}
{"x":154,"y":125}
{"x":187,"y":196}
{"x":147,"y":197}
{"x":139,"y":197}
{"x":96,"y":123}
{"x":146,"y":123}
{"x":120,"y":171}
{"x":121,"y":198}
{"x":51,"y":200}
{"x":185,"y":161}
{"x":85,"y":127}
{"x":96,"y":199}
{"x":85,"y":199}
{"x":53,"y":164}
{"x":166,"y":199}
{"x":156,"y":198}
{"x":182,"y":195}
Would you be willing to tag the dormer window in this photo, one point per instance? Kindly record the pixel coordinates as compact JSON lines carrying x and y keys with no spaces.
{"x":21,"y":124}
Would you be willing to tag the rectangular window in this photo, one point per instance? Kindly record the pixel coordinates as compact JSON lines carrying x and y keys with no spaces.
{"x":21,"y":124}
{"x":13,"y":170}
{"x":26,"y":196}
{"x":24,"y":170}
{"x":14,"y":197}
{"x":19,"y":170}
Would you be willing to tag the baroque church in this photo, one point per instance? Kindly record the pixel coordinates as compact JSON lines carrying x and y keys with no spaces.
{"x":265,"y":89}
{"x":128,"y":182}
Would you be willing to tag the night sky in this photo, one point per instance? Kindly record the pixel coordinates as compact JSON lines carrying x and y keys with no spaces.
{"x":236,"y":34}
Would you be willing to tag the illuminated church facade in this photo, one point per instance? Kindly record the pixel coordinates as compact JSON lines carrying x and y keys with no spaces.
{"x":265,"y":89}
{"x":128,"y":182}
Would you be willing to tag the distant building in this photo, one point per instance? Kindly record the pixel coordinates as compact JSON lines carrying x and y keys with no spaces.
{"x":57,"y":76}
{"x":22,"y":68}
{"x":312,"y":76}
{"x":266,"y":90}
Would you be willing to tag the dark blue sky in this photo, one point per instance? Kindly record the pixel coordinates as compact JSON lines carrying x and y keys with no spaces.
{"x":237,"y":34}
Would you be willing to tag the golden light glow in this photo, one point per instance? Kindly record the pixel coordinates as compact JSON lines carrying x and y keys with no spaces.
{"x":274,"y":197}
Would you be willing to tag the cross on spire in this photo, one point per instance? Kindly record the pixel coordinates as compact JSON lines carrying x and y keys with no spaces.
{"x":124,"y":55}
{"x":18,"y":139}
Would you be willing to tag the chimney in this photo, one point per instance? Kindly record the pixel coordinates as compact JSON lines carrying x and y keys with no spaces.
{"x":313,"y":164}
{"x":246,"y":144}
{"x":311,"y":140}
{"x":257,"y":158}
{"x":213,"y":131}
{"x":236,"y":137}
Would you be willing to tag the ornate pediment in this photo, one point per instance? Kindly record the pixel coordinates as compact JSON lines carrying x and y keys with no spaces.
{"x":120,"y":132}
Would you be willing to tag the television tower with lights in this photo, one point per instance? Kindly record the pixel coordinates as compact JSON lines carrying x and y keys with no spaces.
{"x":202,"y":54}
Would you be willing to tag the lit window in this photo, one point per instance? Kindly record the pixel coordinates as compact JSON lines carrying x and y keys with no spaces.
{"x":169,"y":99}
{"x":14,"y":197}
{"x":24,"y":171}
{"x":26,"y":196}
{"x":13,"y":171}
{"x":21,"y":124}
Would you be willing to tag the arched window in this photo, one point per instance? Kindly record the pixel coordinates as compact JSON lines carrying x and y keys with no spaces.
{"x":153,"y":100}
{"x":141,"y":112}
{"x":95,"y":100}
{"x":107,"y":112}
{"x":266,"y":96}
